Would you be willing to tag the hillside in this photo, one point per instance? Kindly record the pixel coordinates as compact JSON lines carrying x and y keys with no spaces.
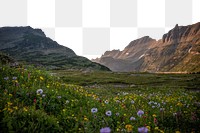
{"x":177,"y":51}
{"x":32,"y":45}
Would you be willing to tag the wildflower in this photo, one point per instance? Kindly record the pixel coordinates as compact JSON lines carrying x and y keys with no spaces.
{"x":162,"y":109}
{"x":108,"y":113}
{"x":34,"y":100}
{"x":10,"y":95}
{"x":105,"y":130}
{"x":85,"y":118}
{"x":25,"y":109}
{"x":154,"y":115}
{"x":41,"y":78}
{"x":155,"y":121}
{"x":10,"y":110}
{"x":140,"y":113}
{"x":106,"y":102}
{"x":132,"y":118}
{"x":16,"y":108}
{"x":156,"y":128}
{"x":6,"y":78}
{"x":94,"y":110}
{"x":67,"y":101}
{"x":117,"y":101}
{"x":14,"y":78}
{"x":178,"y":132}
{"x":9,"y":103}
{"x":143,"y":130}
{"x":149,"y":128}
{"x":174,"y":114}
{"x":129,"y":127}
{"x":43,"y":95}
{"x":59,"y":97}
{"x":117,"y":114}
{"x":39,"y":91}
{"x":132,"y":102}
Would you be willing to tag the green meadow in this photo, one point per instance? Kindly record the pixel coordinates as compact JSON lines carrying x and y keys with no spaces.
{"x":36,"y":100}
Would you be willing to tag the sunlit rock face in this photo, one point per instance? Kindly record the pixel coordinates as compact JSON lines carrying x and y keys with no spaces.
{"x":177,"y":51}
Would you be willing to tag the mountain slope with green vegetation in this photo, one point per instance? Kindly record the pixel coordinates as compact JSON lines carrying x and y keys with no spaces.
{"x":32,"y":45}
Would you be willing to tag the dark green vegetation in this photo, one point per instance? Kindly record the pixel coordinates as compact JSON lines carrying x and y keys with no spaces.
{"x":32,"y":46}
{"x":131,"y":80}
{"x":32,"y":100}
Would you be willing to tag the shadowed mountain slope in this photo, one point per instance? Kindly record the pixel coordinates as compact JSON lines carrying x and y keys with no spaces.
{"x":32,"y":45}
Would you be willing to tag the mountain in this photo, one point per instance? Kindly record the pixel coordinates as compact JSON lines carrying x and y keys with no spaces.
{"x":177,"y":51}
{"x":32,"y":45}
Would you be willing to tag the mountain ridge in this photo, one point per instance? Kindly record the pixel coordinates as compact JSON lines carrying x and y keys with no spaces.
{"x":32,"y":45}
{"x":177,"y":51}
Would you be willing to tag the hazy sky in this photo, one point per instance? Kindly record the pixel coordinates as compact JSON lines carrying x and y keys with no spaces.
{"x":90,"y":27}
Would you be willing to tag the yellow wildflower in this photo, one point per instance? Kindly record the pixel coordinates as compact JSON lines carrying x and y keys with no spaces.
{"x":41,"y":78}
{"x":16,"y":108}
{"x":129,"y":127}
{"x":85,"y":118}
{"x":149,"y":128}
{"x":9,"y":103}
{"x":10,"y":110}
{"x":25,"y":109}
{"x":178,"y":132}
{"x":179,"y":104}
{"x":154,"y":115}
{"x":161,"y":131}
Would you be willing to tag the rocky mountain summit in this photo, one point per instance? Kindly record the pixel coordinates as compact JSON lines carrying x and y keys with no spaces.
{"x":32,"y":45}
{"x":177,"y":51}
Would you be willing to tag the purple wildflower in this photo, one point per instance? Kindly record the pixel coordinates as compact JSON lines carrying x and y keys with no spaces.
{"x":14,"y":78}
{"x":94,"y":110}
{"x":132,"y":118}
{"x":140,"y":113}
{"x":143,"y":130}
{"x":108,"y":113}
{"x":39,"y":91}
{"x":6,"y":78}
{"x":105,"y":130}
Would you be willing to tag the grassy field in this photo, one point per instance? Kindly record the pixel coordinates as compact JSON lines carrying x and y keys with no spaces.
{"x":130,"y":80}
{"x":33,"y":100}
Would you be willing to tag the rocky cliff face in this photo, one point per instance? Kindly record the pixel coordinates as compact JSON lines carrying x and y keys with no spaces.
{"x":32,"y":45}
{"x":177,"y":51}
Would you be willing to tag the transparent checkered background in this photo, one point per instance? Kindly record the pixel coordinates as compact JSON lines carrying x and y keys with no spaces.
{"x":90,"y":27}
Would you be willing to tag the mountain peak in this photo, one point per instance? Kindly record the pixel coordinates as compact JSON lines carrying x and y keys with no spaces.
{"x":32,"y":45}
{"x":141,"y":41}
{"x":178,"y":50}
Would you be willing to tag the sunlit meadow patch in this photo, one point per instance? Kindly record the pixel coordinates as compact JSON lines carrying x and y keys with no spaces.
{"x":32,"y":100}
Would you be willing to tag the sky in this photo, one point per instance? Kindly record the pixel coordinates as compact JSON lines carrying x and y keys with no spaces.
{"x":91,"y":27}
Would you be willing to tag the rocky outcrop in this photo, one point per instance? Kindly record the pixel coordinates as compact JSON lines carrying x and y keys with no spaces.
{"x":178,"y":50}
